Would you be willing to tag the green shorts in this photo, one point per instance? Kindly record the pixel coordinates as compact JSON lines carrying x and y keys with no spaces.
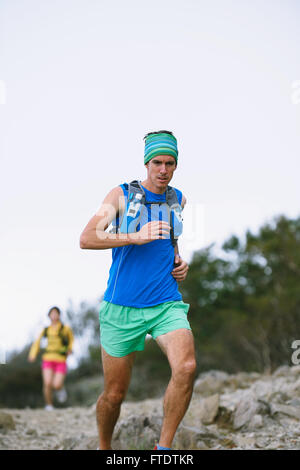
{"x":123,"y":329}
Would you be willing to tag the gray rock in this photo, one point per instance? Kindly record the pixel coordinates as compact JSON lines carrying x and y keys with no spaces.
{"x":245,"y":410}
{"x":7,"y":422}
{"x":32,"y":432}
{"x":255,"y":422}
{"x":208,"y":385}
{"x":241,"y":380}
{"x":262,"y":442}
{"x":244,"y":442}
{"x":68,"y":443}
{"x":294,"y":402}
{"x":295,"y":371}
{"x":137,"y":432}
{"x":282,"y":371}
{"x":187,"y":437}
{"x":208,"y":409}
{"x":215,"y":374}
{"x":292,"y":411}
{"x":88,"y":443}
{"x":201,"y":445}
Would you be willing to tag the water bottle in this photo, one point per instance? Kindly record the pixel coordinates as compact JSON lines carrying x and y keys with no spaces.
{"x":132,"y":214}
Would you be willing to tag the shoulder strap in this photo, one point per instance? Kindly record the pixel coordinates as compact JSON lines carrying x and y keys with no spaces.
{"x":172,"y":201}
{"x":134,"y":188}
{"x":45,"y":331}
{"x":171,"y":196}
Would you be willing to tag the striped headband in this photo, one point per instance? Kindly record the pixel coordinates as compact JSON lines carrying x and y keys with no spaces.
{"x":160,"y":143}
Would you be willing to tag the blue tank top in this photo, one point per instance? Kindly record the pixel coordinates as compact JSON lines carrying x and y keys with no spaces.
{"x":140,"y":275}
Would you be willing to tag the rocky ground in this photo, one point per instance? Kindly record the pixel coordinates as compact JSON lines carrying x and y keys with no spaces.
{"x":240,"y":411}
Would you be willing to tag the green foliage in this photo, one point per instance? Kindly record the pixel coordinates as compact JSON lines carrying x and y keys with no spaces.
{"x":20,"y":382}
{"x":244,"y":312}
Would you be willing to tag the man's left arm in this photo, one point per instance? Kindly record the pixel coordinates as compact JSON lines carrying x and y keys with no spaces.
{"x":180,"y":266}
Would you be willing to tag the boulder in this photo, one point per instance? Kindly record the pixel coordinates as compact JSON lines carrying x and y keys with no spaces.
{"x":292,"y":411}
{"x":137,"y":432}
{"x":208,"y":385}
{"x":245,"y":410}
{"x":208,"y":409}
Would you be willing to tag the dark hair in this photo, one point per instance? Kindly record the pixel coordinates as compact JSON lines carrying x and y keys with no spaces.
{"x":54,"y":308}
{"x":158,"y":132}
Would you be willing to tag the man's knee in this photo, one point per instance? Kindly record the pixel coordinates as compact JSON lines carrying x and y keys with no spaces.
{"x":185,"y":370}
{"x":113,"y":397}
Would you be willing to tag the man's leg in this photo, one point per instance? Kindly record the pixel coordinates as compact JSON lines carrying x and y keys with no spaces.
{"x":117,"y":373}
{"x":47,"y":385}
{"x":178,"y":345}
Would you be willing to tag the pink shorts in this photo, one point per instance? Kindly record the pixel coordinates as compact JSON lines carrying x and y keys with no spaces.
{"x":56,"y":366}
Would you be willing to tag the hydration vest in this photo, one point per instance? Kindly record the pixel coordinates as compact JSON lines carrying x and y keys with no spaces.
{"x":64,"y":341}
{"x":135,"y":204}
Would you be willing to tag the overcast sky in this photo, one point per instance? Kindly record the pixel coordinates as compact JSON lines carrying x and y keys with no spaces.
{"x":81,"y":83}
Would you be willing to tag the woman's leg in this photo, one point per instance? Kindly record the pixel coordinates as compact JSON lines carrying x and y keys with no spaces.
{"x":47,"y":385}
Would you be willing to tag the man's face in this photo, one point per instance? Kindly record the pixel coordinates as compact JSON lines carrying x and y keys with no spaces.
{"x":161,"y":169}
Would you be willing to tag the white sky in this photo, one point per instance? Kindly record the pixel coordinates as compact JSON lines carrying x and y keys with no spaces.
{"x":81,"y":83}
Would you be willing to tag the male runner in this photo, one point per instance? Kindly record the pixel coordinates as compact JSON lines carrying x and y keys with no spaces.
{"x":142,"y":293}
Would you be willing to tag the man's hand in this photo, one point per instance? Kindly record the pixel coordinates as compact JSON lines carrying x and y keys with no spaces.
{"x":180,"y":271}
{"x":155,"y":230}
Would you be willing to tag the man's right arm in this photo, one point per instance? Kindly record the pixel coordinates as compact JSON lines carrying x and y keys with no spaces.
{"x":95,"y":237}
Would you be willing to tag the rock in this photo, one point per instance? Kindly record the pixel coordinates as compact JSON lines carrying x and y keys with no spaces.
{"x":294,"y":389}
{"x":245,"y":411}
{"x":294,"y":402}
{"x":295,"y":371}
{"x":201,"y":445}
{"x":208,"y":409}
{"x":6,"y":422}
{"x":187,"y":437}
{"x":215,"y":374}
{"x":255,"y":422}
{"x":261,"y":442}
{"x":244,"y":441}
{"x":208,"y":385}
{"x":292,"y":411}
{"x":281,"y":371}
{"x":137,"y":432}
{"x":32,"y":432}
{"x":68,"y":444}
{"x":90,"y":443}
{"x":224,"y":417}
{"x":227,"y":443}
{"x":241,"y":380}
{"x":274,"y":445}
